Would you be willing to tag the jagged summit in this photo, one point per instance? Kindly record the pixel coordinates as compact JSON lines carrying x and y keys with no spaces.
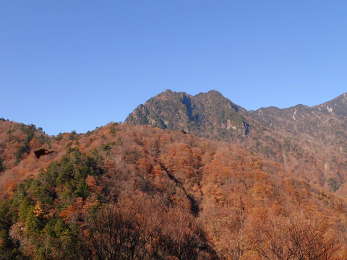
{"x":212,"y":92}
{"x":205,"y":114}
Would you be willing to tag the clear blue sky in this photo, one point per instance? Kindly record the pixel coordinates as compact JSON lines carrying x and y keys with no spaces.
{"x":77,"y":64}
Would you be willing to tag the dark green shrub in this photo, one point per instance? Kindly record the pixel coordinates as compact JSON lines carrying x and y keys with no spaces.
{"x":2,"y":166}
{"x":333,"y":184}
{"x":37,"y":206}
{"x":29,"y":132}
{"x":22,"y":150}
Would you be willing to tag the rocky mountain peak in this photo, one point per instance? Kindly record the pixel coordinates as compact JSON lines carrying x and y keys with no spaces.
{"x":213,"y":93}
{"x":205,"y":114}
{"x":337,"y":106}
{"x":170,"y":93}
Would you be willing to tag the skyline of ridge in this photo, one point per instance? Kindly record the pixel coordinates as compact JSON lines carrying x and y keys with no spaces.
{"x":181,"y":92}
{"x":83,"y":64}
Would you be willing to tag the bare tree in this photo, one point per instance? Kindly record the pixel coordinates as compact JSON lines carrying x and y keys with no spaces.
{"x":115,"y":235}
{"x":295,"y":239}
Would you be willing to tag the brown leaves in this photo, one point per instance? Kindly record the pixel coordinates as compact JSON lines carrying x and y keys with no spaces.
{"x":294,"y":238}
{"x":153,"y":178}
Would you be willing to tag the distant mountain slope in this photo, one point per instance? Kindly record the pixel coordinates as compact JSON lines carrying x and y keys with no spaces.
{"x":310,"y":142}
{"x":337,"y":106}
{"x":320,"y":123}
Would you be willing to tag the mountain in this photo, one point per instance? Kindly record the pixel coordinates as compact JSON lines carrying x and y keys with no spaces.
{"x":320,"y":138}
{"x":216,"y":182}
{"x":209,"y":114}
{"x":309,"y":142}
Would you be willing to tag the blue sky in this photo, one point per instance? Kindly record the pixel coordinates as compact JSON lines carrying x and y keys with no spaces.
{"x":77,"y":64}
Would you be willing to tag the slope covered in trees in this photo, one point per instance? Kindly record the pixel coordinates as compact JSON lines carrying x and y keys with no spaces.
{"x":309,"y":142}
{"x":136,"y":192}
{"x":17,"y":141}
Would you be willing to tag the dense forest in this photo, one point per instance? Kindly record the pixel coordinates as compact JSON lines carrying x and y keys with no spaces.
{"x":138,"y":192}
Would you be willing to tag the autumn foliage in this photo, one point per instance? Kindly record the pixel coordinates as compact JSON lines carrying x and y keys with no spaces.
{"x":127,"y":192}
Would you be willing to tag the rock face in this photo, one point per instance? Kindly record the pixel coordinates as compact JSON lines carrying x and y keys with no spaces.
{"x":310,"y":142}
{"x":208,"y":115}
{"x":42,"y":152}
{"x":337,"y":106}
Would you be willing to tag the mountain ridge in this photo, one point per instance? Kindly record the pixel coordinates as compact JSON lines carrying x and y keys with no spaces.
{"x":302,"y":138}
{"x":181,"y":111}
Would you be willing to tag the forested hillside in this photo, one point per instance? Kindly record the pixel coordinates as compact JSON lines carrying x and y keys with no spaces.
{"x":137,"y":192}
{"x":309,"y":142}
